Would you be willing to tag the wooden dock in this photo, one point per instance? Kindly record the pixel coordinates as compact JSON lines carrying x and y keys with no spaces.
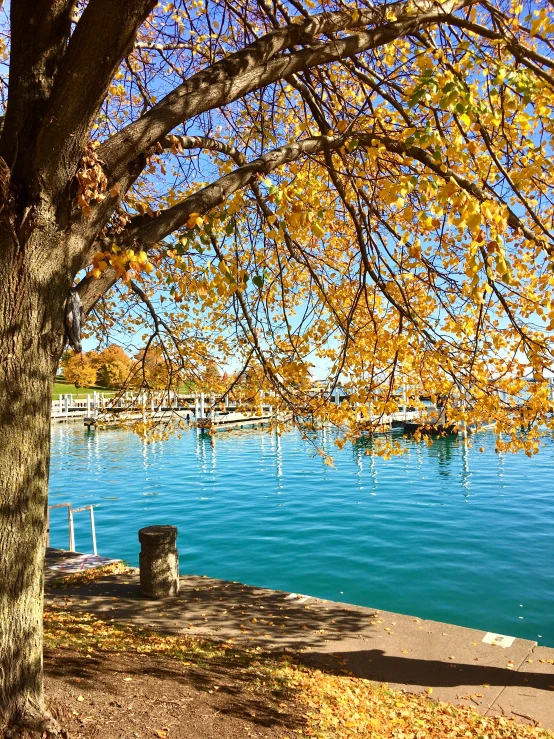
{"x":125,"y":409}
{"x":234,"y":420}
{"x":124,"y":417}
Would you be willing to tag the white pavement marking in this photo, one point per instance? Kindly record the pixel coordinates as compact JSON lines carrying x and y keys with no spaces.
{"x":498,"y":640}
{"x":297,"y":597}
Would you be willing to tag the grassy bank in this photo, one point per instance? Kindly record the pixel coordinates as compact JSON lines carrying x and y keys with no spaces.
{"x":61,"y":387}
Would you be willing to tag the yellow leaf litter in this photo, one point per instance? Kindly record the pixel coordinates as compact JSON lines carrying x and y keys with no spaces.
{"x":336,"y":706}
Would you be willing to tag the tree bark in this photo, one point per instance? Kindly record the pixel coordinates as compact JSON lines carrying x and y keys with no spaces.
{"x":32,"y":299}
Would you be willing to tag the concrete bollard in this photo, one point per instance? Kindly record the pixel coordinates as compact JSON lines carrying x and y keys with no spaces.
{"x":159,"y":561}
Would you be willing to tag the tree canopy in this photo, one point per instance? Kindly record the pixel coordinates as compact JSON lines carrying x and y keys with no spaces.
{"x":363,"y":188}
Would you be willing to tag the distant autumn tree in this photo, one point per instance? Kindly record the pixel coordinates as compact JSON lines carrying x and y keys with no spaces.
{"x":110,"y":368}
{"x":80,"y":370}
{"x":211,"y":379}
{"x":113,"y":366}
{"x":365,"y":185}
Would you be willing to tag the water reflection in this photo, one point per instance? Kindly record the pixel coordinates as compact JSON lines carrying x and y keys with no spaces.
{"x":442,"y":450}
{"x":466,"y":473}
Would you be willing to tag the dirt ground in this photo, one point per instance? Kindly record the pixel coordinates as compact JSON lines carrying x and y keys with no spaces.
{"x":123,"y":696}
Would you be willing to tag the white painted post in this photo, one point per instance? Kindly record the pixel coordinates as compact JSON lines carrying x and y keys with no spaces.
{"x":88,"y":406}
{"x":195,"y":407}
{"x":60,"y":401}
{"x":337,"y":396}
{"x":201,"y":405}
{"x":66,"y":403}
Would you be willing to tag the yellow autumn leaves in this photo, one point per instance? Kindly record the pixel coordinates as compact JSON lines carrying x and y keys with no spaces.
{"x":124,"y":261}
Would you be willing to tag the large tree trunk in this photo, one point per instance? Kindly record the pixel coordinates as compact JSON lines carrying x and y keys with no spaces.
{"x":31,"y":341}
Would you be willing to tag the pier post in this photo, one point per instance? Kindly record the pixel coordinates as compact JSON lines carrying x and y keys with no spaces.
{"x":201,"y":405}
{"x":159,"y":561}
{"x":88,"y":406}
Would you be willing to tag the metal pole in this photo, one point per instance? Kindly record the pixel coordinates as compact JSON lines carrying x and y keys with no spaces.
{"x":93,"y":530}
{"x":71,"y":529}
{"x":90,"y":509}
{"x":60,"y":505}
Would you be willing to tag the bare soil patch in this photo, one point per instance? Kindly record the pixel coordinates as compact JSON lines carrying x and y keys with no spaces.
{"x":128,"y":695}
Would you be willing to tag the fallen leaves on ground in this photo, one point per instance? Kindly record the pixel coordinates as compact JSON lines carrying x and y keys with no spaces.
{"x":87,"y":576}
{"x":342,"y":707}
{"x":337,"y":706}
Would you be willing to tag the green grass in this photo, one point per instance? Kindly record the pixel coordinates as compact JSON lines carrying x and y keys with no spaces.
{"x":61,"y":387}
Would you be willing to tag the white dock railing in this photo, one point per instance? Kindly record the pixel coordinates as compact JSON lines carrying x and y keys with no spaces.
{"x":71,"y":524}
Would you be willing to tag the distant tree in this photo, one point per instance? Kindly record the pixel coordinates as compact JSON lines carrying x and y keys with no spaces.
{"x":154,"y":368}
{"x":114,"y":366}
{"x":110,"y":368}
{"x":113,"y":374}
{"x":211,"y":377}
{"x":78,"y":369}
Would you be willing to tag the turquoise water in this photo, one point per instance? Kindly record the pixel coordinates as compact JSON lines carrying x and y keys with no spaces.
{"x":442,"y":532}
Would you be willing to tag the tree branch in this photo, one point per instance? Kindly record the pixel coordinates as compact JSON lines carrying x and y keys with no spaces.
{"x":149,"y":230}
{"x":91,"y":289}
{"x":258,"y":65}
{"x":203,"y":142}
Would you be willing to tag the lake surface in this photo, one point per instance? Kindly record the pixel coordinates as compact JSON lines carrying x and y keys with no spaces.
{"x":442,"y":532}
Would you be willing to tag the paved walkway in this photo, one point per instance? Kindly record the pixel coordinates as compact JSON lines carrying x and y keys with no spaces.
{"x":411,"y":654}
